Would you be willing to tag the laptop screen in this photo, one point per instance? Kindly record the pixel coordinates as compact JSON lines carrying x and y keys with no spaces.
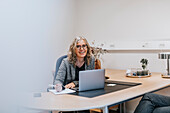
{"x":91,"y":79}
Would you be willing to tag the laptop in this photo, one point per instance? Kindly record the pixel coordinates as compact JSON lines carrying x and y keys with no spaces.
{"x":91,"y":80}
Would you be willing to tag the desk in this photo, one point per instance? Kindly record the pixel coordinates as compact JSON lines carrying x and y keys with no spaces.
{"x":49,"y":101}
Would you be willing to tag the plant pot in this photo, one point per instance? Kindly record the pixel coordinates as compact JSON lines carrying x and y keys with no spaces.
{"x":97,"y":64}
{"x":142,"y":72}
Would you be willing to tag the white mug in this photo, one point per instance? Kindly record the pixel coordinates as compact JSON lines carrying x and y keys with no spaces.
{"x":58,"y":87}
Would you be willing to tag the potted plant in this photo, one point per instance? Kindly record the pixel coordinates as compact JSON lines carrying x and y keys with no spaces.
{"x":144,"y":71}
{"x":97,"y":51}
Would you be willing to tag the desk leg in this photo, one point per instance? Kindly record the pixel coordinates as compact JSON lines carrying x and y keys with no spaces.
{"x":124,"y":107}
{"x":120,"y":106}
{"x":105,"y":109}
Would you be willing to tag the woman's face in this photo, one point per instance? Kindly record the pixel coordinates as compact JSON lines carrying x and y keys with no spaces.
{"x":81,"y":49}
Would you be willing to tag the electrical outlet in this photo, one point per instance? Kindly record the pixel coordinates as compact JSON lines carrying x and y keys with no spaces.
{"x":112,"y":45}
{"x":161,"y":45}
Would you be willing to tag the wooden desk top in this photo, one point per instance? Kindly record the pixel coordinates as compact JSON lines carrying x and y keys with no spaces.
{"x":49,"y":101}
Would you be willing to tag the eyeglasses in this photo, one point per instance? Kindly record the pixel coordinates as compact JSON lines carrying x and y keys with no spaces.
{"x":81,"y":46}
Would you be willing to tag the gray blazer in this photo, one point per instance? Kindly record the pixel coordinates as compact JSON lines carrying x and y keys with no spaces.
{"x":66,"y":72}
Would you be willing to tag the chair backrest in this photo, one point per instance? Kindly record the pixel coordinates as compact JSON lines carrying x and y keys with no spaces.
{"x":58,"y":65}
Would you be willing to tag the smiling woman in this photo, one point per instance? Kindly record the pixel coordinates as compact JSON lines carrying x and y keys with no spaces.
{"x":79,"y":58}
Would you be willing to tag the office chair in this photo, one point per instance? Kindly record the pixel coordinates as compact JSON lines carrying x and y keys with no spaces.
{"x":58,"y":65}
{"x":57,"y":68}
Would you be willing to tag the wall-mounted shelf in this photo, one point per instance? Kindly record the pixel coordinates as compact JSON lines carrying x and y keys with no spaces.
{"x":136,"y":49}
{"x":138,"y":46}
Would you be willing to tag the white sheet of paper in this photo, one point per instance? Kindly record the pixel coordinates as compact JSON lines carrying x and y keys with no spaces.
{"x":65,"y":91}
{"x":111,"y":84}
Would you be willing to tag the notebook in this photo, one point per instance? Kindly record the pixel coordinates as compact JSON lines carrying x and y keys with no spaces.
{"x":91,"y":80}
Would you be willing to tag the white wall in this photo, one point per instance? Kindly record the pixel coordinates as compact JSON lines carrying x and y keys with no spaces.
{"x":107,"y":21}
{"x":33,"y":34}
{"x":114,"y":20}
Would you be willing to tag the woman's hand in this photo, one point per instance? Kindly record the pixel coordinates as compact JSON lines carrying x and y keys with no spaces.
{"x":70,"y":85}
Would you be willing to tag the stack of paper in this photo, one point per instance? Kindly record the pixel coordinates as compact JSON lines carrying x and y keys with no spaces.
{"x":65,"y":91}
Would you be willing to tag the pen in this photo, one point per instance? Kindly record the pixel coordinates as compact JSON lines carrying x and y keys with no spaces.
{"x":53,"y":86}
